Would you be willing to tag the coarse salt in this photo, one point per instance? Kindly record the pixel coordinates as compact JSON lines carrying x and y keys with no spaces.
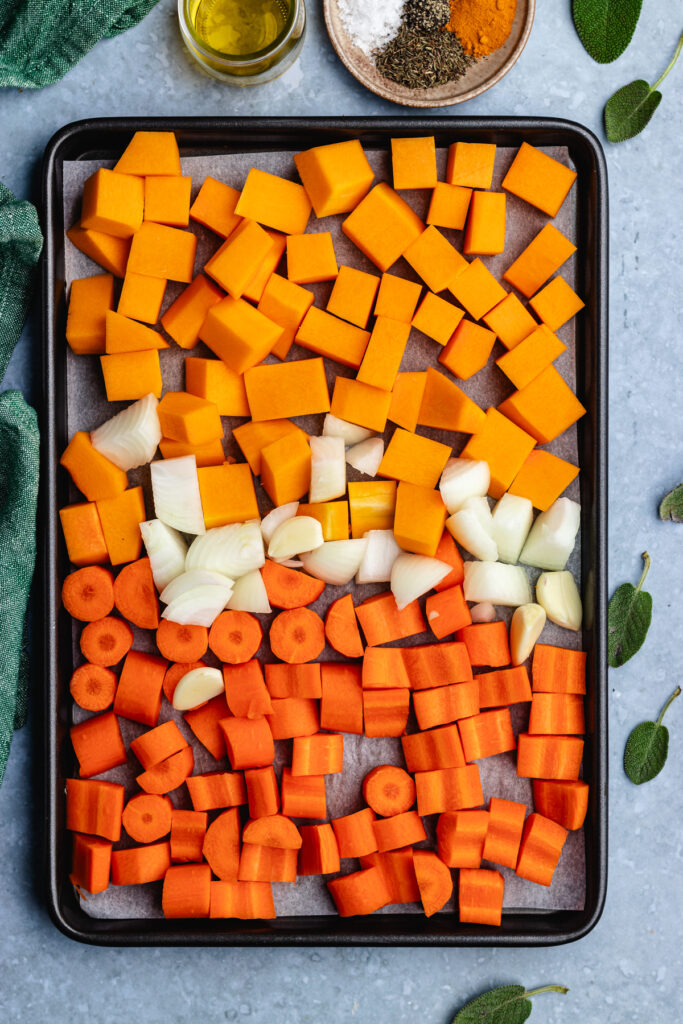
{"x":370,"y":23}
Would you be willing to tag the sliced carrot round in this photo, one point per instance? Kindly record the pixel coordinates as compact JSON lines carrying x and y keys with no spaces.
{"x":93,"y":687}
{"x":235,"y":637}
{"x":135,"y":595}
{"x":88,"y":593}
{"x":106,"y":641}
{"x":388,"y":790}
{"x":147,"y":817}
{"x":272,"y":830}
{"x":169,"y":774}
{"x":434,"y":880}
{"x":341,"y":628}
{"x":289,"y":588}
{"x":297,"y":636}
{"x":181,"y":643}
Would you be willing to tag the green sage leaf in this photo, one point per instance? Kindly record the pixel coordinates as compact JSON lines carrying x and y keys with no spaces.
{"x":671,"y":505}
{"x":606,"y":27}
{"x":628,"y":619}
{"x":507,"y":1004}
{"x":647,"y":747}
{"x":629,"y":110}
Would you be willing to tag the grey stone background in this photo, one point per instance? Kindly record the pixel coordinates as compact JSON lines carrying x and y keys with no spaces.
{"x":630,"y":967}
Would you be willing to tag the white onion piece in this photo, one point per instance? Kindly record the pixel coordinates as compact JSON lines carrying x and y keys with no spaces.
{"x":380,"y":555}
{"x":302,"y":533}
{"x":558,"y":594}
{"x":289,"y":563}
{"x":336,"y":561}
{"x":553,"y":535}
{"x":328,"y":469}
{"x":413,"y":575}
{"x":466,"y":527}
{"x":351,"y":432}
{"x":483,"y":612}
{"x":199,"y":606}
{"x":175,"y":489}
{"x":462,"y":479}
{"x":366,"y":456}
{"x":131,"y":438}
{"x":525,"y":628}
{"x":512,"y":519}
{"x":196,"y":687}
{"x":249,"y":594}
{"x":496,"y":582}
{"x":166,"y":550}
{"x":281,"y":514}
{"x":189,"y":580}
{"x":233,"y":550}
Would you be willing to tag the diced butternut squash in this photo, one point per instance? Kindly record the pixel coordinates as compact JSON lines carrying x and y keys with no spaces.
{"x":210,"y":454}
{"x":336,"y":339}
{"x":238,"y":333}
{"x":167,"y":199}
{"x":254,"y":437}
{"x":108,"y":251}
{"x":113,"y":203}
{"x":526,"y":360}
{"x":160,"y":251}
{"x":311,"y":258}
{"x":502,"y":444}
{"x":333,"y":516}
{"x":360,"y":403}
{"x":477,"y":289}
{"x":89,"y":300}
{"x":275,"y":202}
{"x":227,"y":494}
{"x":545,"y":408}
{"x":213,"y":380}
{"x":184,"y":317}
{"x":471,"y":164}
{"x":353,"y":295}
{"x":397,"y":297}
{"x":92,"y":472}
{"x":238,"y":259}
{"x":286,"y":468}
{"x":449,"y":205}
{"x":406,"y":398}
{"x":446,"y":407}
{"x":336,"y":176}
{"x":544,"y":255}
{"x":83,"y":534}
{"x":434,"y":259}
{"x":283,"y":390}
{"x":539,"y":179}
{"x":214,"y":207}
{"x":468,"y":350}
{"x":437,"y":318}
{"x":384,"y":353}
{"x":371,"y":506}
{"x":414,"y":458}
{"x":286,"y":304}
{"x":485,"y":233}
{"x":419,"y":518}
{"x":414,"y":162}
{"x":269,"y":264}
{"x":120,"y":518}
{"x":510,"y":320}
{"x":556,"y":303}
{"x":141,"y":296}
{"x":150,"y":153}
{"x":131,"y":375}
{"x":186,"y":417}
{"x":543,"y":478}
{"x":124,"y":335}
{"x":382,"y":226}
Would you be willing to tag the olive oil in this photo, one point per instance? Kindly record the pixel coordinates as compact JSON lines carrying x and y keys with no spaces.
{"x":240,"y":27}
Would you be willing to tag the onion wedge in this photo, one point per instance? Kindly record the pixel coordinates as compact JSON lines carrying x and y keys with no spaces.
{"x":233,"y":550}
{"x":175,"y":489}
{"x":414,"y":575}
{"x":131,"y":438}
{"x":166,"y":550}
{"x":335,"y":561}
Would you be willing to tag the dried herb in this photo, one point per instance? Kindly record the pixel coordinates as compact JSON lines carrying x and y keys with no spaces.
{"x":420,"y":60}
{"x":507,"y":1004}
{"x":426,"y":15}
{"x":628,"y":619}
{"x":629,"y":110}
{"x":606,"y":27}
{"x":647,"y":747}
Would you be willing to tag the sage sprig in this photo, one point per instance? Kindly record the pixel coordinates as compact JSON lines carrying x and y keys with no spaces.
{"x":507,"y":1004}
{"x":630,"y":109}
{"x":628,"y":619}
{"x":606,"y":27}
{"x":647,"y":747}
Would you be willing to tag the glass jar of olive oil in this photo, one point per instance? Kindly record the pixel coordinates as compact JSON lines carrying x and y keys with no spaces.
{"x":243,"y":42}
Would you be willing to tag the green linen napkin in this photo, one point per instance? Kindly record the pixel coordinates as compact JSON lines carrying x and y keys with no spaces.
{"x":40,"y":40}
{"x":20,"y":244}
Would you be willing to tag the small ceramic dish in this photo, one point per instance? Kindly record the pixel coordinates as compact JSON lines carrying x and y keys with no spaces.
{"x":478,"y":78}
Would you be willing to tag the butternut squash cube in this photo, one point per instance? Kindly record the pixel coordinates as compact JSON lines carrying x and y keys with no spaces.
{"x":210,"y":454}
{"x":269,"y":264}
{"x":122,"y":334}
{"x":120,"y":518}
{"x":213,"y":380}
{"x":449,"y":205}
{"x":397,"y":297}
{"x":445,"y":407}
{"x":141,"y":296}
{"x":131,"y":375}
{"x":83,"y":534}
{"x":311,"y":258}
{"x":371,"y":505}
{"x":275,"y":202}
{"x":89,"y":300}
{"x":336,"y":176}
{"x":468,"y":350}
{"x":113,"y":203}
{"x":283,"y":390}
{"x":384,"y":353}
{"x":545,"y":408}
{"x":485,"y":233}
{"x":333,"y":516}
{"x":434,"y":259}
{"x":360,"y":403}
{"x":238,"y":259}
{"x":542,"y":257}
{"x":382,"y":226}
{"x":326,"y":335}
{"x":188,"y":418}
{"x":414,"y":458}
{"x":556,"y":303}
{"x":539,"y":179}
{"x":352,"y":296}
{"x":419,"y":518}
{"x":526,"y":360}
{"x":92,"y":473}
{"x":160,"y":251}
{"x":108,"y":251}
{"x":286,"y":304}
{"x":150,"y":153}
{"x":238,"y":333}
{"x":510,"y":321}
{"x":543,"y":478}
{"x":437,"y":318}
{"x":286,"y":468}
{"x":167,"y":199}
{"x":184,"y":317}
{"x":215,"y":205}
{"x":502,"y":444}
{"x":252,"y":438}
{"x":406,"y":398}
{"x":471,"y":164}
{"x":227,"y":494}
{"x":414,"y":162}
{"x":476,"y":289}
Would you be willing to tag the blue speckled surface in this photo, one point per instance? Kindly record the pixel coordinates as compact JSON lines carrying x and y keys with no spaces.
{"x":629,"y":967}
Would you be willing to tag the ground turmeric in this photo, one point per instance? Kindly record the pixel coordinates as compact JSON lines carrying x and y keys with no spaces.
{"x":482,"y":26}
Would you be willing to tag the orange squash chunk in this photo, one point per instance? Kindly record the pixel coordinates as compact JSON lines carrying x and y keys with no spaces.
{"x":526,"y":360}
{"x":419,"y":519}
{"x":510,"y":321}
{"x":502,"y":444}
{"x":256,"y":286}
{"x":92,"y":472}
{"x":227,"y":494}
{"x":468,"y":350}
{"x":542,"y":478}
{"x":434,"y":259}
{"x":150,"y":153}
{"x":414,"y":458}
{"x":89,"y":300}
{"x":414,"y":162}
{"x":446,"y":407}
{"x":539,"y":179}
{"x":167,"y":199}
{"x":352,"y":296}
{"x":253,"y":438}
{"x":112,"y":203}
{"x":238,"y":259}
{"x":545,"y":408}
{"x":449,"y":205}
{"x":556,"y":303}
{"x":336,"y":176}
{"x":397,"y":297}
{"x":213,"y":380}
{"x":275,"y":202}
{"x":160,"y":251}
{"x":382,"y":226}
{"x":326,"y":335}
{"x":210,"y":454}
{"x":141,"y":297}
{"x":406,"y":399}
{"x":184,"y":317}
{"x":371,"y":505}
{"x":333,"y":516}
{"x":477,"y":289}
{"x":110,"y":252}
{"x":286,"y":304}
{"x":360,"y":403}
{"x":124,"y":335}
{"x":131,"y":375}
{"x":471,"y":164}
{"x":186,"y":417}
{"x":384,"y":353}
{"x":215,"y":205}
{"x":437,"y":318}
{"x":120,"y":518}
{"x":311,"y":258}
{"x":282,"y":390}
{"x":286,"y":468}
{"x":542,"y":257}
{"x":83,"y":534}
{"x":485,"y":233}
{"x":238,"y":333}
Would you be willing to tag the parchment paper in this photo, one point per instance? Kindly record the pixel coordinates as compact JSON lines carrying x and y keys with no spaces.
{"x":87,"y":408}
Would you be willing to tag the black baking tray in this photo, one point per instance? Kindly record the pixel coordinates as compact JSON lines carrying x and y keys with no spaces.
{"x":105,"y":138}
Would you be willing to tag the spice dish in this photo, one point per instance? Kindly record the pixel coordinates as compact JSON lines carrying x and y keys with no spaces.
{"x":479,"y":76}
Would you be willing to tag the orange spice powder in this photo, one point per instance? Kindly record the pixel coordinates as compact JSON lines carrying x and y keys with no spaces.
{"x":482,"y":26}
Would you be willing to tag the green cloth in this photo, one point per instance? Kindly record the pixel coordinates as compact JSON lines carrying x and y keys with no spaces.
{"x":21,"y":241}
{"x":40,"y":40}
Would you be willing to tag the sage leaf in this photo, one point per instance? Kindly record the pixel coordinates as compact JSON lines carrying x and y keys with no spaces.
{"x":507,"y":1004}
{"x":630,"y":109}
{"x":628,"y":619}
{"x":671,"y":505}
{"x":647,"y":747}
{"x":606,"y":27}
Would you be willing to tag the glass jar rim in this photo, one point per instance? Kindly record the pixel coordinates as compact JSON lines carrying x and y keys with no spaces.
{"x":228,"y":60}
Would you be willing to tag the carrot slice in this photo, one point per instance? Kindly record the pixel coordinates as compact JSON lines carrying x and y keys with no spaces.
{"x":341,"y":706}
{"x":169,"y":774}
{"x":289,"y":588}
{"x":245,"y":901}
{"x":186,"y":891}
{"x":249,"y":742}
{"x":175,"y":672}
{"x":98,"y":744}
{"x":262,"y":792}
{"x":388,"y":790}
{"x":245,"y":690}
{"x":138,"y":695}
{"x":222,"y":845}
{"x":355,"y":834}
{"x":140,"y":864}
{"x":361,"y":892}
{"x":540,"y":849}
{"x":447,"y":552}
{"x":320,"y":754}
{"x":147,"y":818}
{"x":135,"y":595}
{"x":480,"y":896}
{"x":285,"y":680}
{"x":267,"y":864}
{"x":94,"y":807}
{"x":319,"y":853}
{"x":235,"y":637}
{"x":205,"y":724}
{"x":400,"y":830}
{"x":448,"y":789}
{"x":105,"y":641}
{"x":460,"y":837}
{"x":157,"y":744}
{"x":91,"y":863}
{"x":88,"y":593}
{"x":273,"y":830}
{"x":487,"y":644}
{"x":434,"y":880}
{"x":434,"y":748}
{"x":562,"y":800}
{"x":181,"y":643}
{"x":188,"y":829}
{"x":93,"y":687}
{"x":504,"y":832}
{"x":297,"y":635}
{"x":341,"y":628}
{"x":303,"y":796}
{"x":385,"y":712}
{"x":216,"y":789}
{"x":398,"y":872}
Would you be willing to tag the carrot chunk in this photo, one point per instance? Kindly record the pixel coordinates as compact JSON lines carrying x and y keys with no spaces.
{"x":361,"y":892}
{"x":216,"y":790}
{"x":341,"y":706}
{"x":480,"y":896}
{"x":434,"y":748}
{"x":434,"y":880}
{"x":398,"y":871}
{"x":135,"y":595}
{"x":385,"y":712}
{"x":505,"y":686}
{"x":186,"y":891}
{"x":188,"y":829}
{"x":297,"y":635}
{"x":341,"y":628}
{"x":303,"y":796}
{"x":267,"y":864}
{"x":447,"y":612}
{"x":293,"y":716}
{"x":169,"y":774}
{"x":504,"y":834}
{"x":262,"y":791}
{"x":283,"y":680}
{"x":549,"y":757}
{"x":235,"y":637}
{"x":446,"y":704}
{"x":249,"y":742}
{"x":540,"y":849}
{"x":205,"y":724}
{"x":158,"y":744}
{"x":319,"y":853}
{"x":430,"y":665}
{"x":289,"y":588}
{"x":182,"y":643}
{"x":93,"y":687}
{"x":383,"y":623}
{"x":245,"y":690}
{"x":106,"y":641}
{"x":91,"y":863}
{"x":399,"y":830}
{"x":138,"y":695}
{"x":355,"y":833}
{"x":460,"y":837}
{"x":558,"y":669}
{"x":388,"y":790}
{"x":98,"y":744}
{"x":140,"y":864}
{"x":94,"y":807}
{"x":487,"y":734}
{"x":562,"y":800}
{"x":246,"y":901}
{"x":320,"y":754}
{"x":487,"y":644}
{"x":384,"y":668}
{"x":557,"y":713}
{"x":274,"y":830}
{"x":448,"y":789}
{"x":147,"y":817}
{"x":221,"y":847}
{"x":88,"y":593}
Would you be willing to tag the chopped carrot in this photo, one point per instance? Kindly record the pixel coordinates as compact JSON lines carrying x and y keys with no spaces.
{"x":293,"y":716}
{"x":388,"y":790}
{"x":140,"y":864}
{"x":487,"y":644}
{"x":399,"y":830}
{"x":319,"y":853}
{"x":262,"y":792}
{"x":216,"y":790}
{"x":222,"y":845}
{"x":248,"y":741}
{"x":106,"y":641}
{"x":174,"y":673}
{"x":169,"y":774}
{"x":355,"y":833}
{"x":245,"y":690}
{"x":504,"y":686}
{"x":91,"y":863}
{"x":398,"y":872}
{"x":447,"y":611}
{"x":135,"y":595}
{"x":267,"y":864}
{"x":235,"y":637}
{"x":434,"y":880}
{"x":320,"y":754}
{"x":341,"y":706}
{"x":157,"y":744}
{"x":205,"y":724}
{"x":385,"y":712}
{"x":448,"y":789}
{"x":557,"y":713}
{"x":480,"y":896}
{"x":558,"y":669}
{"x":446,"y":704}
{"x":186,"y":891}
{"x":434,"y":748}
{"x":93,"y":687}
{"x":297,"y":635}
{"x":361,"y":892}
{"x":274,"y":830}
{"x":88,"y":593}
{"x":447,"y":552}
{"x":506,"y":821}
{"x":549,"y":757}
{"x":245,"y":901}
{"x":384,"y":668}
{"x":289,"y":588}
{"x":138,"y":695}
{"x":460,"y":837}
{"x":98,"y":744}
{"x":383,"y":623}
{"x":285,"y":680}
{"x":188,"y":829}
{"x":562,"y":800}
{"x":431,"y":665}
{"x":540,"y":849}
{"x":181,"y":643}
{"x":303,"y":796}
{"x":94,"y":807}
{"x":487,"y":734}
{"x":341,"y":628}
{"x":147,"y":817}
